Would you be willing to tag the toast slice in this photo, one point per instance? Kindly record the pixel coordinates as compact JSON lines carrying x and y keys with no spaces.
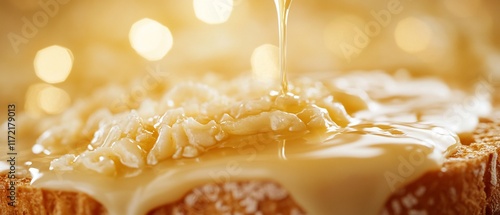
{"x":468,"y":183}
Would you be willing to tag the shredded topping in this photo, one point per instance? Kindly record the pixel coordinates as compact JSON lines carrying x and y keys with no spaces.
{"x":187,"y":121}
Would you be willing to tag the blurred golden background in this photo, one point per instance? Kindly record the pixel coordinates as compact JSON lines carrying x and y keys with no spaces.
{"x":455,"y":39}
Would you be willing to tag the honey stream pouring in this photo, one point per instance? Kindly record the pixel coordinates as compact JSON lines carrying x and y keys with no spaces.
{"x":282,"y":8}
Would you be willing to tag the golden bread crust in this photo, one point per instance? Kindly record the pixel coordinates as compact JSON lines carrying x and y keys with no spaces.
{"x":36,"y":201}
{"x":468,"y":182}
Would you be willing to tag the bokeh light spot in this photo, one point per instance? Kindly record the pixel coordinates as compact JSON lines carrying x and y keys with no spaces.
{"x":265,"y":66}
{"x":213,"y":11}
{"x":150,"y":39}
{"x":46,"y":99}
{"x":53,"y":64}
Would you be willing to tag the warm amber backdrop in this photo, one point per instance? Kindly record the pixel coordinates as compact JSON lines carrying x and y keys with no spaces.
{"x":465,"y":33}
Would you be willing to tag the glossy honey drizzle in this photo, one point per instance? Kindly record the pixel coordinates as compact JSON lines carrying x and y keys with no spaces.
{"x":282,"y":8}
